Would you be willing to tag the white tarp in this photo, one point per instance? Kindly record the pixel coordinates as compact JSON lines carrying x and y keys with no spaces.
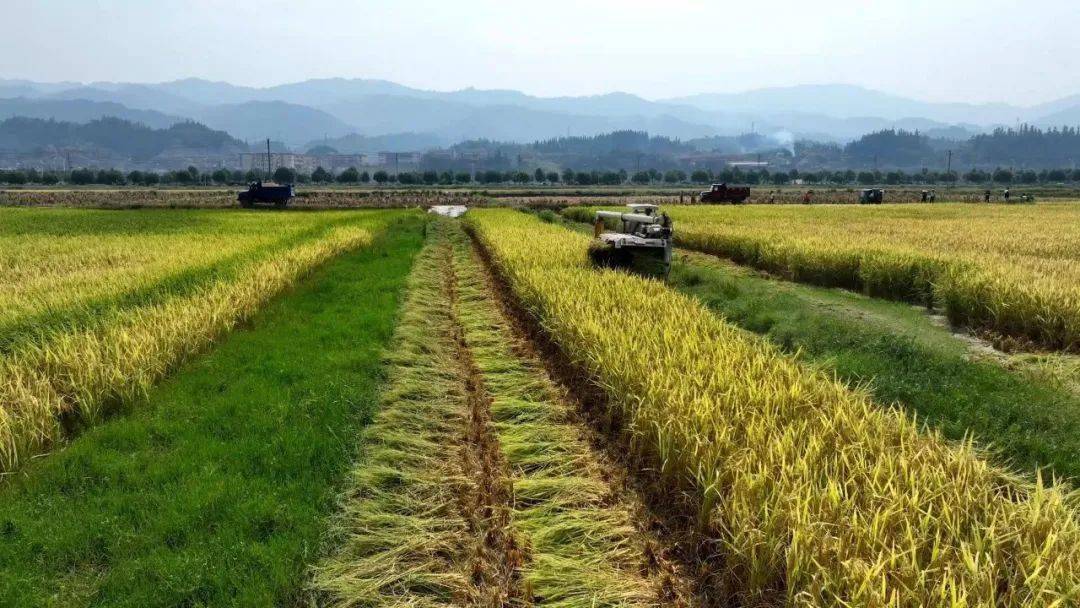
{"x":449,"y":210}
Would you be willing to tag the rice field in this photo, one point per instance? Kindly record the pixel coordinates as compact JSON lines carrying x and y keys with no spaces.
{"x":814,"y":494}
{"x":539,"y":432}
{"x":98,"y":306}
{"x":1012,"y":270}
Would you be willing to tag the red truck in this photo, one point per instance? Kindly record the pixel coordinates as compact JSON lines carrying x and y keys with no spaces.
{"x":722,"y":193}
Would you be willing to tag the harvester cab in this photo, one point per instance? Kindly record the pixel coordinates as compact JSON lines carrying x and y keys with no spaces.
{"x":643,"y":244}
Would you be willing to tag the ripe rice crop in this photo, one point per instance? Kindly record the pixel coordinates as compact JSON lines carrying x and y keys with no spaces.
{"x":584,"y":550}
{"x":1012,"y":270}
{"x":121,"y":317}
{"x":814,"y":494}
{"x":61,"y":266}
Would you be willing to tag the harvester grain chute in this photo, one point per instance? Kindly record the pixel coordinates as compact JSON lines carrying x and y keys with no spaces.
{"x":643,"y":244}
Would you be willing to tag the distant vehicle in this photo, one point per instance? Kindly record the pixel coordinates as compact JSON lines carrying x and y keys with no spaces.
{"x":871,"y":196}
{"x":257,"y":192}
{"x":722,"y":193}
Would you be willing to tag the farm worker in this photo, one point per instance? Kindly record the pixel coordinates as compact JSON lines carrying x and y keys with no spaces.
{"x":772,"y":196}
{"x":925,"y":196}
{"x":933,"y":195}
{"x":806,"y":197}
{"x":986,"y":196}
{"x":1006,"y":194}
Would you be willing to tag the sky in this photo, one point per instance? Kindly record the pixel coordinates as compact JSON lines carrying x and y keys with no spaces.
{"x":944,"y":50}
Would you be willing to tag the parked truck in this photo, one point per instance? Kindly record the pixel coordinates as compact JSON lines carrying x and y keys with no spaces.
{"x":723,"y":193}
{"x":258,"y":192}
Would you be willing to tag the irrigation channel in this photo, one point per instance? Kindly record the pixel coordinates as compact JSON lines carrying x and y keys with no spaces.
{"x":482,"y":480}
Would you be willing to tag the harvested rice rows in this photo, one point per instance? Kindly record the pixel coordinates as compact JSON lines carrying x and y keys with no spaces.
{"x":1014,"y":270}
{"x":401,"y":537}
{"x":815,"y":495}
{"x":583,"y":544}
{"x":69,"y":376}
{"x":475,"y":487}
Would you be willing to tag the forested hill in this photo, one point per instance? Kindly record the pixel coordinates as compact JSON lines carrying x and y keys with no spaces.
{"x":1026,"y":146}
{"x":1029,"y":146}
{"x":121,"y":137}
{"x":617,"y":141}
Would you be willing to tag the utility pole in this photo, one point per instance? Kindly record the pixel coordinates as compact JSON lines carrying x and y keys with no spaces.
{"x":268,"y":171}
{"x":948,"y":163}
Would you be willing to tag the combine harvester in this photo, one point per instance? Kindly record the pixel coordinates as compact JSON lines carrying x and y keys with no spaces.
{"x":643,"y":245}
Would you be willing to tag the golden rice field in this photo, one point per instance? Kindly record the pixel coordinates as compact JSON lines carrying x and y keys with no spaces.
{"x":95,"y":306}
{"x":813,"y":494}
{"x":1014,"y":270}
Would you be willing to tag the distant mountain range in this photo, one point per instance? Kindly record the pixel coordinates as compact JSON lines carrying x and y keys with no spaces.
{"x":306,"y":113}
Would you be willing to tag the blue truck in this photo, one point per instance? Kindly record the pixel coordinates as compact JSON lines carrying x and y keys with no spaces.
{"x":259,"y":193}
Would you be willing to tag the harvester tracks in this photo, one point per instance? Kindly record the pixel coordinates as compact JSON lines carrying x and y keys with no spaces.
{"x":497,"y":557}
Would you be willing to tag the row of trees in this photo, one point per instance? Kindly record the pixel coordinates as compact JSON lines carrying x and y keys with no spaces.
{"x":192,"y":176}
{"x":892,"y":148}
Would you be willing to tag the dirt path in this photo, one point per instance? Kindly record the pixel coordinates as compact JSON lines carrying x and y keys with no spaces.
{"x":497,"y":558}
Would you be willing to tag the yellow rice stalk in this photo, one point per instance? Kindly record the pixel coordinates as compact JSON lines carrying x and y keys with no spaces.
{"x":1014,"y":270}
{"x":56,"y":262}
{"x":816,"y":495}
{"x":82,"y":372}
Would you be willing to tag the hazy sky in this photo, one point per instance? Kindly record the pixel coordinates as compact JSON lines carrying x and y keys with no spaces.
{"x":942,"y":50}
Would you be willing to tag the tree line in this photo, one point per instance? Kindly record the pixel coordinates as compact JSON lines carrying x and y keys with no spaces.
{"x":1026,"y":146}
{"x":223,"y":177}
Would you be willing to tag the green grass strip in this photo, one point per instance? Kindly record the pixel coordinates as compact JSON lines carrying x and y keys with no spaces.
{"x":897,"y":352}
{"x":584,"y":548}
{"x":214,"y":493}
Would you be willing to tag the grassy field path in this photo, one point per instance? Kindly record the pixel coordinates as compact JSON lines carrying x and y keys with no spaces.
{"x":477,"y":484}
{"x":215,"y":491}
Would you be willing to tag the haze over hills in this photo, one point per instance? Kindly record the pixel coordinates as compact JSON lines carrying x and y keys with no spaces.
{"x":301,"y":112}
